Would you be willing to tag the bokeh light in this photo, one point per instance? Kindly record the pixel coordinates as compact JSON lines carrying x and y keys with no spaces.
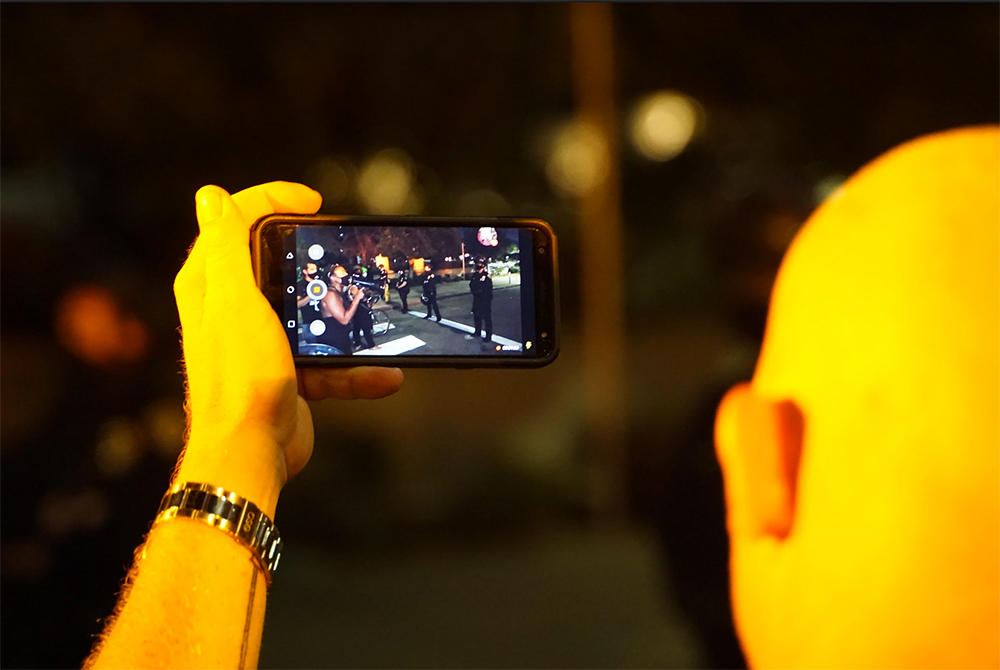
{"x":93,"y":326}
{"x":334,"y":177}
{"x":164,"y":421}
{"x":664,"y":123}
{"x":826,"y":187}
{"x":779,"y":230}
{"x":386,"y":184}
{"x":119,"y":447}
{"x":578,"y":159}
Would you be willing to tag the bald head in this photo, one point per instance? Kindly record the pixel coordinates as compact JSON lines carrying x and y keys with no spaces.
{"x":862,"y":462}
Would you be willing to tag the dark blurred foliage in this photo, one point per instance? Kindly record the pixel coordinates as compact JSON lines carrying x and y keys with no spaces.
{"x":114,"y":114}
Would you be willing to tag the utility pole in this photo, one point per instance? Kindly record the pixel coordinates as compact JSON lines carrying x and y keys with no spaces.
{"x":602,"y":249}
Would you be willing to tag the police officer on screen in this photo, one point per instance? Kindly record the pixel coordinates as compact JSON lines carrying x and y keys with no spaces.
{"x":430,"y":293}
{"x":383,"y":283}
{"x":403,"y":287}
{"x":481,"y":286}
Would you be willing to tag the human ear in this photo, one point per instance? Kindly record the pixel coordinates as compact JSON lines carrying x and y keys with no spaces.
{"x":759,"y":443}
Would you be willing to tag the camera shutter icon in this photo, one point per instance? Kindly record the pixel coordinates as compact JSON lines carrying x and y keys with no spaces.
{"x":316,"y":289}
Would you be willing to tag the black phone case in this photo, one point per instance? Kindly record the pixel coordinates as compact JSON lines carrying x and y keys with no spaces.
{"x":404,"y":361}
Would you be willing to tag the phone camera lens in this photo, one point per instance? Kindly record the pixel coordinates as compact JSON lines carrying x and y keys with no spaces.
{"x":541,"y":250}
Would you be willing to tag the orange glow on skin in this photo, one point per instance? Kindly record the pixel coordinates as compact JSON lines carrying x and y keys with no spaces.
{"x":884,"y":331}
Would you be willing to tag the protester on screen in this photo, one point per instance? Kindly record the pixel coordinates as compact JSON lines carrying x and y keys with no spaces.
{"x":338,"y":311}
{"x":361,"y":323}
{"x":309,"y":309}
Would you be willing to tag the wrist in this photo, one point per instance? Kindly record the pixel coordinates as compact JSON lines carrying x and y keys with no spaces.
{"x":228,"y":512}
{"x":247,"y":461}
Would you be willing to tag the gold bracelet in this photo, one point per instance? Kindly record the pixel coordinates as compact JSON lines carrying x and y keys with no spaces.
{"x":230,"y":513}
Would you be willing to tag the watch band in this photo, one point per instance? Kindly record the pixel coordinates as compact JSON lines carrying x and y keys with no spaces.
{"x":230,"y":513}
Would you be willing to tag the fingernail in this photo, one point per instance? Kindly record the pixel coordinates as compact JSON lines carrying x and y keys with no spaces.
{"x":209,"y":204}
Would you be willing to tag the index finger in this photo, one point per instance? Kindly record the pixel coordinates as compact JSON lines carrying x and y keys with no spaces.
{"x":276,"y":197}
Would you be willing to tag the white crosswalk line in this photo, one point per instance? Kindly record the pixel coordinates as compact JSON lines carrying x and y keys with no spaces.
{"x":498,"y":339}
{"x":394,"y":348}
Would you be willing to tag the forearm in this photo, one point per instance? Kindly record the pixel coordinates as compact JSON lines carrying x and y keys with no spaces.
{"x":195,"y":596}
{"x":351,"y":311}
{"x":195,"y":599}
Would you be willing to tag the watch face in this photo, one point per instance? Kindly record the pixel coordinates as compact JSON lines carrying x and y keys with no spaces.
{"x":488,"y":237}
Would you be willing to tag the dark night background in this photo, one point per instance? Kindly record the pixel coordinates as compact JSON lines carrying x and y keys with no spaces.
{"x":448,"y":526}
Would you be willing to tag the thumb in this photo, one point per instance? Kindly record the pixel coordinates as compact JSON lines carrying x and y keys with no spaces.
{"x":224,"y":240}
{"x":216,"y":221}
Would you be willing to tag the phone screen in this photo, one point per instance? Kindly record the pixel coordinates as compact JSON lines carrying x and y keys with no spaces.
{"x":375,"y":288}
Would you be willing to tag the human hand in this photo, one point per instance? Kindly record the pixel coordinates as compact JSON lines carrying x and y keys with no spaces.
{"x":250,"y":429}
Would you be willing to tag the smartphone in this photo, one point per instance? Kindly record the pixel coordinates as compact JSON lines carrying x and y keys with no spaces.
{"x":411,"y":291}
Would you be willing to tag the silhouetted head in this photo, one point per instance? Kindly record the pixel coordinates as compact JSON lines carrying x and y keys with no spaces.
{"x":862,"y":463}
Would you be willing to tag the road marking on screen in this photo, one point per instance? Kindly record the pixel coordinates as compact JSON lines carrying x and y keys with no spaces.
{"x":394,"y":348}
{"x":508,"y":345}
